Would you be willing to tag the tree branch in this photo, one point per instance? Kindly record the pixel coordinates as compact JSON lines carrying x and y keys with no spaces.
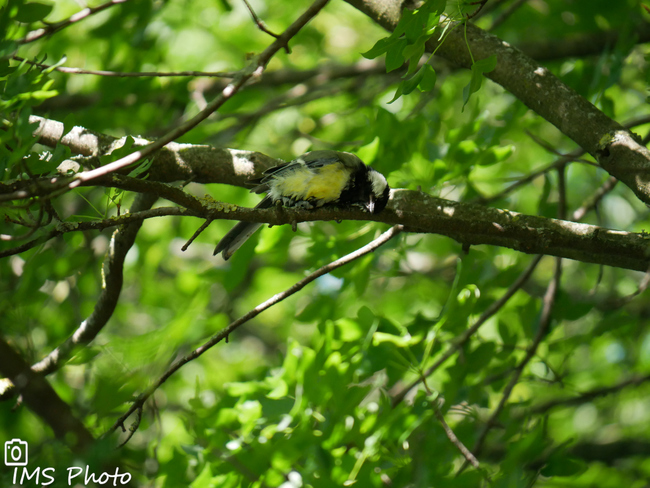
{"x":615,"y":148}
{"x":130,"y":74}
{"x":460,"y":341}
{"x":66,"y":227}
{"x":51,"y":29}
{"x":225,"y":332}
{"x":542,"y":330}
{"x":113,"y":275}
{"x":253,"y":69}
{"x":585,"y":397}
{"x":466,"y":223}
{"x":578,"y":46}
{"x":41,"y":398}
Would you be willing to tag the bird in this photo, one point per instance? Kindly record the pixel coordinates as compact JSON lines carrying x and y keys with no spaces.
{"x":315,"y":179}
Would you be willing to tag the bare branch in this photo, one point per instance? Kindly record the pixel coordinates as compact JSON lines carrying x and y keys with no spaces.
{"x":52,"y":28}
{"x":225,"y":333}
{"x":113,"y":272}
{"x":41,"y":398}
{"x":586,"y":396}
{"x":255,"y":68}
{"x":122,"y":74}
{"x":563,"y":159}
{"x":578,"y":46}
{"x":593,"y":200}
{"x":469,"y":457}
{"x":616,"y":149}
{"x":260,"y":24}
{"x":124,"y":219}
{"x":543,"y":327}
{"x":458,"y":342}
{"x":506,"y":14}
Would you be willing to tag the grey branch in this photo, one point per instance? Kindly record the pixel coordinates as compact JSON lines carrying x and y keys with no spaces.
{"x":174,"y":162}
{"x":106,"y":303}
{"x":615,"y":148}
{"x":41,"y":398}
{"x":467,"y":223}
{"x":224,"y":333}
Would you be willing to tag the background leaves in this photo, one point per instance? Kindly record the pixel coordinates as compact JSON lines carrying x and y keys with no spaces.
{"x":314,"y":391}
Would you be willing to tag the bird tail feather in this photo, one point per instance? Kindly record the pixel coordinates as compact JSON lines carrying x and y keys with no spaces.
{"x":239,"y":234}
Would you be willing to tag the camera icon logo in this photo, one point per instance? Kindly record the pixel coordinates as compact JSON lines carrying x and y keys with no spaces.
{"x":16,"y":453}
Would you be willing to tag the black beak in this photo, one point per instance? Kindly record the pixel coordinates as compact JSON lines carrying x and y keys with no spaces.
{"x":371,"y":204}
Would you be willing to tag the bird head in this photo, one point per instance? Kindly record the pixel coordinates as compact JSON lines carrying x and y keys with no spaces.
{"x":379,"y":191}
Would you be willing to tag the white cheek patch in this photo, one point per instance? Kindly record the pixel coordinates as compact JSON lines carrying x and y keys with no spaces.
{"x":377,"y":182}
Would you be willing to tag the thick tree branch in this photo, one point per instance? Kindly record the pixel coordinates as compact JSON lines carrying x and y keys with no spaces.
{"x":615,"y":148}
{"x":113,"y":278}
{"x":253,"y":69}
{"x":173,"y":162}
{"x":466,"y":223}
{"x":41,"y":398}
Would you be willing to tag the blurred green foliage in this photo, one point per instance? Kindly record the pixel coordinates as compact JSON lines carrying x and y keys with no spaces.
{"x":303,"y":395}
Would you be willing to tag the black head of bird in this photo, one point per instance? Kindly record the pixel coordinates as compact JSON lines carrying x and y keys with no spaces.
{"x":315,"y":179}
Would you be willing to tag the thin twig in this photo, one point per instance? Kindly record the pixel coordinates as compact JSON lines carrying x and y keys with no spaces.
{"x":133,"y":428}
{"x":52,"y":28}
{"x":593,"y":200}
{"x":586,"y":396}
{"x":65,"y":227}
{"x":225,"y":332}
{"x":448,"y":430}
{"x":572,"y":156}
{"x":544,"y":324}
{"x":254,"y":69}
{"x":122,"y":74}
{"x":490,"y":7}
{"x":561,"y":190}
{"x":481,"y":4}
{"x":506,"y":14}
{"x":196,"y":234}
{"x":261,"y":25}
{"x":464,"y":337}
{"x":454,"y":440}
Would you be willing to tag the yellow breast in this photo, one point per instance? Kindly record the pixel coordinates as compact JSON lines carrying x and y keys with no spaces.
{"x":324,"y":184}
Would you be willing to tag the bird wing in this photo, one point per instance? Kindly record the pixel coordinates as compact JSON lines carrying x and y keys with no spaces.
{"x":311,"y":161}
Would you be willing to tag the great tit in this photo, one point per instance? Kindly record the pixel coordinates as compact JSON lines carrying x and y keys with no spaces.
{"x":315,"y":179}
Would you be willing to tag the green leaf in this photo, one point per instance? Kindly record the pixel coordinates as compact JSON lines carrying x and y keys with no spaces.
{"x":495,"y":155}
{"x":395,"y":56}
{"x":560,"y":464}
{"x":381,"y":46}
{"x":33,"y":12}
{"x":413,"y":52}
{"x":428,"y":81}
{"x":5,"y":68}
{"x":478,"y":69}
{"x":412,"y":83}
{"x":142,"y":167}
{"x":119,"y":152}
{"x":368,"y":153}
